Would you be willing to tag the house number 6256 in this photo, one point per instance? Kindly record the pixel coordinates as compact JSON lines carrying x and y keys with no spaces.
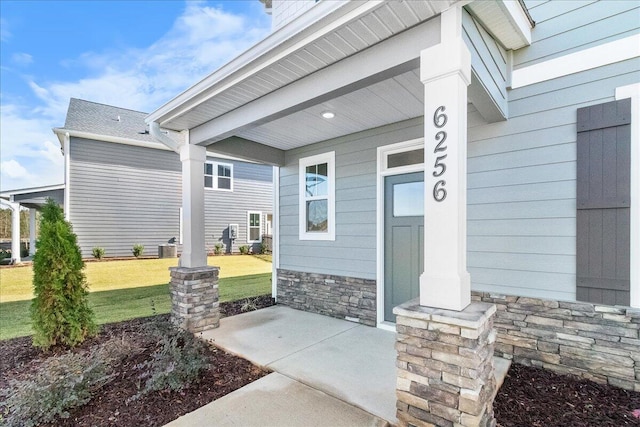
{"x":439,"y":167}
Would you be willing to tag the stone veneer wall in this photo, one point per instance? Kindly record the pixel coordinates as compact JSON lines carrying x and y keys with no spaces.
{"x":194,"y":298}
{"x":445,"y":365}
{"x":347,"y":298}
{"x":597,"y":342}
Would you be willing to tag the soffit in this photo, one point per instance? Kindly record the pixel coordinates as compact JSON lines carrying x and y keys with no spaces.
{"x":379,"y":23}
{"x":389,"y":101}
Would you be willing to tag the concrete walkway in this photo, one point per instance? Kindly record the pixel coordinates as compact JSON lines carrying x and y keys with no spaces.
{"x":326,"y":372}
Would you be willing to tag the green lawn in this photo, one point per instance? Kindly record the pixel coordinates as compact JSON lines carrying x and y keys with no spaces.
{"x":122,"y":290}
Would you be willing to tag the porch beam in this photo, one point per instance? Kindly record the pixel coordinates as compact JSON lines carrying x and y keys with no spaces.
{"x":445,"y":71}
{"x":387,"y":59}
{"x":248,"y":150}
{"x":193,"y":251}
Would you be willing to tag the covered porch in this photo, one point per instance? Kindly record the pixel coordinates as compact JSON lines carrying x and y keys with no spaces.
{"x":356,"y":68}
{"x":346,"y":369}
{"x":330,"y":99}
{"x":32,"y":199}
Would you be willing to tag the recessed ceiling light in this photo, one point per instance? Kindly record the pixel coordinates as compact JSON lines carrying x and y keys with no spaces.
{"x":328,"y":114}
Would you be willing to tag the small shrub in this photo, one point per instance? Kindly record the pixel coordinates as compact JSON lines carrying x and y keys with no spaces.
{"x":244,"y":249}
{"x":263,"y":249}
{"x":24,"y":252}
{"x":5,"y":253}
{"x":60,"y":311}
{"x":97,"y":252}
{"x":137,"y":250}
{"x":177,"y":361}
{"x":63,"y":383}
{"x":250,"y":304}
{"x":217,"y":249}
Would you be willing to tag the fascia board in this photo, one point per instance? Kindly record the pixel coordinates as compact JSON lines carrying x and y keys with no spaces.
{"x":108,"y":138}
{"x":323,"y":19}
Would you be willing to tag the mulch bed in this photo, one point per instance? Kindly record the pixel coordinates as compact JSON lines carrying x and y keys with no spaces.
{"x":18,"y":358}
{"x":540,"y":398}
{"x":528,"y":397}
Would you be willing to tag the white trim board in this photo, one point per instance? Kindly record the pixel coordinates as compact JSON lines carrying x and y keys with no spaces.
{"x":587,"y":59}
{"x":633,"y":92}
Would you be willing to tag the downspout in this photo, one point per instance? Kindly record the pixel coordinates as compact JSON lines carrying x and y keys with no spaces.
{"x":275,"y":233}
{"x":160,"y":136}
{"x":66,"y":145}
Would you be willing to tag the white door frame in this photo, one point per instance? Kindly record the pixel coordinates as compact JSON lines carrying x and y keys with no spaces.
{"x":382,"y":172}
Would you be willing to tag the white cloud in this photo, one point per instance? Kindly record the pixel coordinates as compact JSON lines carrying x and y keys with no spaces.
{"x":13,"y":169}
{"x":22,"y":59}
{"x":30,"y":153}
{"x":201,"y":39}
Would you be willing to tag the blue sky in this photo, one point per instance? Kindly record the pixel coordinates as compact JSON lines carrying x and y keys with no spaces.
{"x":132,"y":54}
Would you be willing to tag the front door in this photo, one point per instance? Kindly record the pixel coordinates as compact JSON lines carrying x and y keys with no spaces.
{"x":403,"y":239}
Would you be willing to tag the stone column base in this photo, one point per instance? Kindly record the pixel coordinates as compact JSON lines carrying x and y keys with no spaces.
{"x":194,"y":298}
{"x":445,"y":365}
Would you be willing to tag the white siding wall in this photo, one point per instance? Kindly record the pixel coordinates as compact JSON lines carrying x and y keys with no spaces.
{"x":284,"y":11}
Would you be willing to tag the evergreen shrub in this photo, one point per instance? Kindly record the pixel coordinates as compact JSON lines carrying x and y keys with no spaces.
{"x":60,"y":311}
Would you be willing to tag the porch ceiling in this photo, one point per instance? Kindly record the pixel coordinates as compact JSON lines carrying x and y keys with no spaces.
{"x":340,"y":31}
{"x":389,"y":101}
{"x":357,"y":59}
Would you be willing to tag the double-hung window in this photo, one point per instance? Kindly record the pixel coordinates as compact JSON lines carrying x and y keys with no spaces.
{"x":254,"y":225}
{"x":218,"y":176}
{"x":317,"y":197}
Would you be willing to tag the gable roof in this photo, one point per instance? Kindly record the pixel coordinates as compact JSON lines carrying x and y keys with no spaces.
{"x":108,"y":123}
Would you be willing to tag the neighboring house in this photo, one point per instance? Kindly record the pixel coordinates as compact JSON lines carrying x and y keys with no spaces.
{"x":529,"y":127}
{"x":123,"y":188}
{"x":32,"y":199}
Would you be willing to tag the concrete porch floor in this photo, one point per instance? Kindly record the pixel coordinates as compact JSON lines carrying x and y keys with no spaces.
{"x":346,"y":368}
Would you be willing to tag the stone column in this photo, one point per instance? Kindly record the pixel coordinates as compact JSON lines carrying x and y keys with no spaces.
{"x":194,"y":298}
{"x":445,"y":71}
{"x":32,"y":231}
{"x":445,"y":365}
{"x":193,"y":250}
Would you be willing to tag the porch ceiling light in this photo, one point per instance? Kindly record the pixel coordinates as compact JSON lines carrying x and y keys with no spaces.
{"x":328,"y":114}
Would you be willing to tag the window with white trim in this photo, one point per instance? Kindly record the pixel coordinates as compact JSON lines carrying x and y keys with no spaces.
{"x":218,"y":176}
{"x":317,"y":197}
{"x":254,"y":227}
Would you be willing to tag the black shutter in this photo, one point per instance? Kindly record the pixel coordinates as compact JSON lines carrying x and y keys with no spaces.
{"x":603,"y":205}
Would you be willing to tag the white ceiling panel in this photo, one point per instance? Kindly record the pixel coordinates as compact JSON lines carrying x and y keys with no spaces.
{"x":389,"y":101}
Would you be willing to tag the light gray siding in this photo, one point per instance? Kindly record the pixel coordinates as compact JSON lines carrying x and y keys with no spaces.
{"x":353,"y":253}
{"x":563,"y":27}
{"x":41,"y":197}
{"x":121,"y":195}
{"x":522,"y":182}
{"x":489,"y":70}
{"x":521,"y":172}
{"x":252,"y":191}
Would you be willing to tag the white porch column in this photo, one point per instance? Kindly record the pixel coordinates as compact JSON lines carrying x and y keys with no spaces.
{"x":32,"y":231}
{"x":193,"y":250}
{"x":445,"y":71}
{"x":15,"y":231}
